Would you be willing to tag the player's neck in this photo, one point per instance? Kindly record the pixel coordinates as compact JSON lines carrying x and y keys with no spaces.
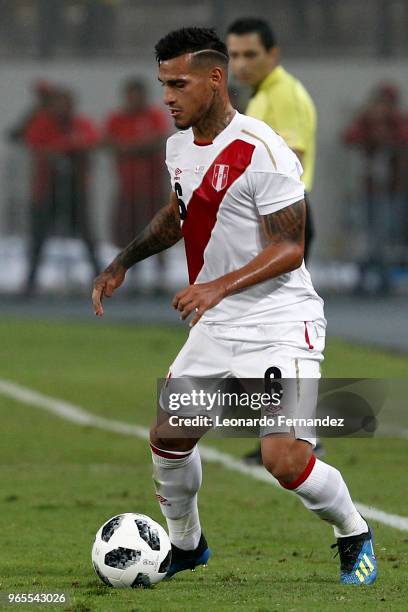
{"x":214,"y":122}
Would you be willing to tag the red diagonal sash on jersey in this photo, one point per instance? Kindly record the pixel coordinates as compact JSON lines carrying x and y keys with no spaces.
{"x":203,"y":206}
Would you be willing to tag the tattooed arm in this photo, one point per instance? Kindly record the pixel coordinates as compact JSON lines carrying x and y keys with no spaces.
{"x":284,"y":231}
{"x":162,"y":232}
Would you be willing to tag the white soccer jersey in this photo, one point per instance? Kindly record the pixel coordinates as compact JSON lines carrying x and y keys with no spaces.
{"x":223,"y":188}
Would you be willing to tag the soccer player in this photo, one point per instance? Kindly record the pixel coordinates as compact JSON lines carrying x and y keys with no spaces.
{"x":238,"y":202}
{"x":281,"y":101}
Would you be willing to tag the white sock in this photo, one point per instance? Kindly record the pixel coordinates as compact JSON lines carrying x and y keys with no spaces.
{"x":322,"y":489}
{"x":185,"y":532}
{"x":177,"y":478}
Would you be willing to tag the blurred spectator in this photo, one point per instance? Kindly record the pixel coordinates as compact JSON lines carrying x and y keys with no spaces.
{"x":43,"y":92}
{"x":379,"y":131}
{"x":60,"y":142}
{"x":136,"y":136}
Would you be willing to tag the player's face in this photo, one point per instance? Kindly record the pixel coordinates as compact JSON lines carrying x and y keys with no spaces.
{"x":188,"y":90}
{"x":250,"y":62}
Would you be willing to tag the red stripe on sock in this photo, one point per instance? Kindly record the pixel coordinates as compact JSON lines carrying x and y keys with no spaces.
{"x":296,"y":483}
{"x":170,"y":455}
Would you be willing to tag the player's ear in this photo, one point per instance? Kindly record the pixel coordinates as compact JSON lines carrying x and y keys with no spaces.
{"x":216,"y":76}
{"x":274,"y":53}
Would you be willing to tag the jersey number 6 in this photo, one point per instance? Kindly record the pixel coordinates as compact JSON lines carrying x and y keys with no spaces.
{"x":181,"y":205}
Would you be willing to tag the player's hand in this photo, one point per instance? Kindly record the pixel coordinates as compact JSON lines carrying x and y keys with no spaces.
{"x":105,"y":284}
{"x":198,"y":298}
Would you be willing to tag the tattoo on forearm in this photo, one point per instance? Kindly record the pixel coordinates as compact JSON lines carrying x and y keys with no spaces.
{"x":286,"y":224}
{"x":162,"y":232}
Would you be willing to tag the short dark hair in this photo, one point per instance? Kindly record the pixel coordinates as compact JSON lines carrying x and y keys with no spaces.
{"x":249,"y":25}
{"x":189,"y":40}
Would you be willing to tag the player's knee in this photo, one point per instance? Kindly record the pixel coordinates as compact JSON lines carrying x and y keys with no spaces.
{"x":280,"y":467}
{"x":287,"y":461}
{"x":157,"y":438}
{"x":160,"y":439}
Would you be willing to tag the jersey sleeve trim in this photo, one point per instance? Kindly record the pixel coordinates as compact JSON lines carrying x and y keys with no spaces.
{"x":267,"y":209}
{"x":248,"y":133}
{"x":272,"y":191}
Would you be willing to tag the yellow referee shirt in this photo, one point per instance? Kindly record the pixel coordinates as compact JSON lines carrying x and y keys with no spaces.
{"x":284,"y":104}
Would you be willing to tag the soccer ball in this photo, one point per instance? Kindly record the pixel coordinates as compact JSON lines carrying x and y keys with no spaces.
{"x":131,"y":550}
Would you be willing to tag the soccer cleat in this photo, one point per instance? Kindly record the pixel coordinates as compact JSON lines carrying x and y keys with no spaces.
{"x":188,"y":559}
{"x":358,"y":564}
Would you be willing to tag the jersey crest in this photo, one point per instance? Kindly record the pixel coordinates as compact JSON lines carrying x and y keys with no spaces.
{"x":220,"y":177}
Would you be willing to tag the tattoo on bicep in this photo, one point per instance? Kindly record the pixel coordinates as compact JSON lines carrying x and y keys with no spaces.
{"x":162,"y":232}
{"x":286,"y":224}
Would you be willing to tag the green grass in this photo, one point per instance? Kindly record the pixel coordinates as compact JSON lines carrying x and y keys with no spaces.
{"x":59,"y":482}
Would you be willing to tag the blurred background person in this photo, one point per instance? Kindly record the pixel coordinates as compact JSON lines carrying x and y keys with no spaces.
{"x":282,"y":102}
{"x":60,"y":141}
{"x":379,"y":132}
{"x":136,"y":135}
{"x":43,"y":92}
{"x":278,"y":98}
{"x":16,"y":162}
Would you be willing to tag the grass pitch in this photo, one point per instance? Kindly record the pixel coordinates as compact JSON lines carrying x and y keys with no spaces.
{"x":59,"y":482}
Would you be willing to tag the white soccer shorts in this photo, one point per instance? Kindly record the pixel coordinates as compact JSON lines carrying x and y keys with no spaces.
{"x":221,"y":351}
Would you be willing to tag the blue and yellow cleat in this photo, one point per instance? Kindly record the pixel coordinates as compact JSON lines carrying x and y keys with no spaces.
{"x":188,"y":559}
{"x":358,"y":564}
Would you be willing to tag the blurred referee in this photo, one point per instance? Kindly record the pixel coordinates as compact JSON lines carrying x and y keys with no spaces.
{"x":278,"y":98}
{"x":282,"y":102}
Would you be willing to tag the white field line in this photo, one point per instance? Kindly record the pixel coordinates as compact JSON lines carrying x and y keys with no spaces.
{"x":79,"y":416}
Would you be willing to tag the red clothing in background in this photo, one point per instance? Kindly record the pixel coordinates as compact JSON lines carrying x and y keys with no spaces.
{"x":381,"y":139}
{"x":44,"y":132}
{"x":140,"y":171}
{"x":60,"y":146}
{"x":45,"y":135}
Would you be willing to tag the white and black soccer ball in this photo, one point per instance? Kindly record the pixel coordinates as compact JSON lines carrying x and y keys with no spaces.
{"x":131,"y":550}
